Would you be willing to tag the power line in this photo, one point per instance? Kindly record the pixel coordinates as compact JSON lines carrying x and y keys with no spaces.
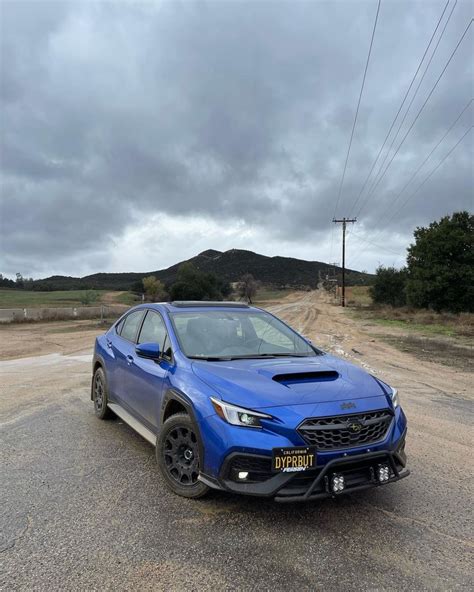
{"x":400,"y":108}
{"x":422,"y":107}
{"x":366,"y":240}
{"x":357,"y":110}
{"x":431,"y":153}
{"x":430,"y":174}
{"x":375,"y":180}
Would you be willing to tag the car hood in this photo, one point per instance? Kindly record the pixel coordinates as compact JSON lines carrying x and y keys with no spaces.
{"x":289,"y":381}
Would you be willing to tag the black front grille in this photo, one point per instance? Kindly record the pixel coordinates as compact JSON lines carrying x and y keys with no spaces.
{"x":251,"y":463}
{"x":346,"y":431}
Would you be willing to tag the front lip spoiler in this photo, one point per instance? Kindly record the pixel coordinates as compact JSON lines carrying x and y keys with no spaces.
{"x":274,"y":485}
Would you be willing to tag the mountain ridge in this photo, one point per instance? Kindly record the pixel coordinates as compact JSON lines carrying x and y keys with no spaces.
{"x":277,"y":271}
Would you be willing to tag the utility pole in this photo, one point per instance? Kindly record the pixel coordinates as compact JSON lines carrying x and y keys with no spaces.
{"x":344,"y":221}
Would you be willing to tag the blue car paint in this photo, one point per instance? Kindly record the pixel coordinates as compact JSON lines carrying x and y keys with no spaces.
{"x":142,"y":385}
{"x":238,"y":381}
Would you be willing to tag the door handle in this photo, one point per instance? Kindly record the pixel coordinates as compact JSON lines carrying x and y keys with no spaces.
{"x":129,"y":360}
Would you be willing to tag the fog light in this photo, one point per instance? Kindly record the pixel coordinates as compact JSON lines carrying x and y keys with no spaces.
{"x":383,"y":472}
{"x":337,"y":483}
{"x":243,"y":475}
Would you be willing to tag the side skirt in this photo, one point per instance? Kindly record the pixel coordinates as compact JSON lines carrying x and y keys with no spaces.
{"x":133,"y":423}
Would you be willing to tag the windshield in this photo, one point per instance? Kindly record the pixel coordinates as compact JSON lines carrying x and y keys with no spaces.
{"x":227,"y":335}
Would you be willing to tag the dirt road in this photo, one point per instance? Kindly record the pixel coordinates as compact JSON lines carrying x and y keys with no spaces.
{"x":82,"y":507}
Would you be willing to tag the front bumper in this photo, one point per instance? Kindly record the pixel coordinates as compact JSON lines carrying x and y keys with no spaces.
{"x":359,"y":472}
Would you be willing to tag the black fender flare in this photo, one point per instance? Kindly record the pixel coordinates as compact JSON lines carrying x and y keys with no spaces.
{"x":175,"y":395}
{"x":97,"y":360}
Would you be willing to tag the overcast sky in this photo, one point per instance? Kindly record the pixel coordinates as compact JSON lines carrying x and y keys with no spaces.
{"x":134,"y":135}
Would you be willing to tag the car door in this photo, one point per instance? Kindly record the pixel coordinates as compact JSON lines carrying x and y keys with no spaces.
{"x":123,"y":347}
{"x":145,"y":378}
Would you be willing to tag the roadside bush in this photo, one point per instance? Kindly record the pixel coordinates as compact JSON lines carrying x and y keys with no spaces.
{"x":88,"y":297}
{"x":154,"y":289}
{"x":389,"y":286}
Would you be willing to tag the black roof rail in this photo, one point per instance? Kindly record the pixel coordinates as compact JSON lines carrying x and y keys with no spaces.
{"x":204,"y":304}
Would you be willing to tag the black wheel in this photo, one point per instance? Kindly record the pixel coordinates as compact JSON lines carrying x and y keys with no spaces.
{"x":177,"y":453}
{"x":99,"y":395}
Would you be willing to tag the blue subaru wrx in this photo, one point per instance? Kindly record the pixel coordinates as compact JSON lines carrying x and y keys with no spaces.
{"x":234,"y":399}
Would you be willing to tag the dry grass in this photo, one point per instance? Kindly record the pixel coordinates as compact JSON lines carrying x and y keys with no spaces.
{"x":358,"y":296}
{"x":266,"y":294}
{"x":438,"y":350}
{"x":420,"y":320}
{"x":424,"y":321}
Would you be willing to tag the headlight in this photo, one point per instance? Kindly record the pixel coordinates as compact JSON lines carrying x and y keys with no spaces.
{"x":395,"y":398}
{"x":237,"y":415}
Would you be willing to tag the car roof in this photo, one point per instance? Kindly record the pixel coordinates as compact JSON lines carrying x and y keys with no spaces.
{"x":195,"y":305}
{"x":207,"y":303}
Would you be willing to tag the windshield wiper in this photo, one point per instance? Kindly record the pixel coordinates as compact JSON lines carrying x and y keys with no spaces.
{"x":248,"y":357}
{"x":211,"y":358}
{"x":275,"y":355}
{"x":281,"y":355}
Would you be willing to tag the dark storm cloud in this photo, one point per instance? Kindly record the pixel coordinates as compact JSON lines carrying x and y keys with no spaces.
{"x":235,"y":111}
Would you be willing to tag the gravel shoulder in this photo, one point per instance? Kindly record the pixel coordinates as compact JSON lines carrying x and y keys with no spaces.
{"x":83,"y":508}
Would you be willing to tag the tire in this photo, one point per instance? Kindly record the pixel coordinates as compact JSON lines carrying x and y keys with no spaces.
{"x":177,"y":454}
{"x":99,"y":395}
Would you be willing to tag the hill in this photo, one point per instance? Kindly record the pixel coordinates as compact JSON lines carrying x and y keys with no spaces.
{"x":229,"y":265}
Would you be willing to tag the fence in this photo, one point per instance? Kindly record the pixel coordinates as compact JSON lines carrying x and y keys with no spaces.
{"x":103,"y":311}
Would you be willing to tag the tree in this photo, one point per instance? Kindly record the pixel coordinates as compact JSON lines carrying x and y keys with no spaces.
{"x":154,"y":289}
{"x":389,"y":286}
{"x":88,"y":297}
{"x":441,"y":265}
{"x":223,"y":287}
{"x":192,"y":284}
{"x":247,"y":287}
{"x":6,"y":283}
{"x":137,"y":287}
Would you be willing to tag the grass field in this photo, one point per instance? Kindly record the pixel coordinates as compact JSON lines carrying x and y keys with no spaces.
{"x":32,"y":298}
{"x":127,"y":298}
{"x":26,"y":298}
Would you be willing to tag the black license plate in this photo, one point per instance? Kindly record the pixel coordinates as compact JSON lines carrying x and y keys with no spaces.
{"x":293,"y":460}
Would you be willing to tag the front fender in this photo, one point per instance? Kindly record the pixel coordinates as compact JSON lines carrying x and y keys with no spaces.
{"x":173,"y":394}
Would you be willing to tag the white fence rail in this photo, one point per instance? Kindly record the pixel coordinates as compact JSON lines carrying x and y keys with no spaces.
{"x":103,"y":311}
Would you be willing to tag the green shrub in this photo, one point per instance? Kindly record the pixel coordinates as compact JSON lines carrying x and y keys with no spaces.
{"x":389,"y":286}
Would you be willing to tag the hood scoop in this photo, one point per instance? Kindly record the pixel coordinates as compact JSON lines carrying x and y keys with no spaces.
{"x":295,"y":378}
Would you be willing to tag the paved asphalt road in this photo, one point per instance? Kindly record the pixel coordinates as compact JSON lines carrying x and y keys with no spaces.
{"x":83,"y":508}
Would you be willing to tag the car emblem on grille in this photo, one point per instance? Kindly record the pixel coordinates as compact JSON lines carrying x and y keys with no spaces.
{"x":348,"y":405}
{"x":355,"y":427}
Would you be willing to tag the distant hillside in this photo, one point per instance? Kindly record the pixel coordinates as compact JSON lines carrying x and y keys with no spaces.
{"x":228,"y":265}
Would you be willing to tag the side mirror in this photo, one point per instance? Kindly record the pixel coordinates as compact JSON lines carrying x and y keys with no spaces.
{"x":151,"y":351}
